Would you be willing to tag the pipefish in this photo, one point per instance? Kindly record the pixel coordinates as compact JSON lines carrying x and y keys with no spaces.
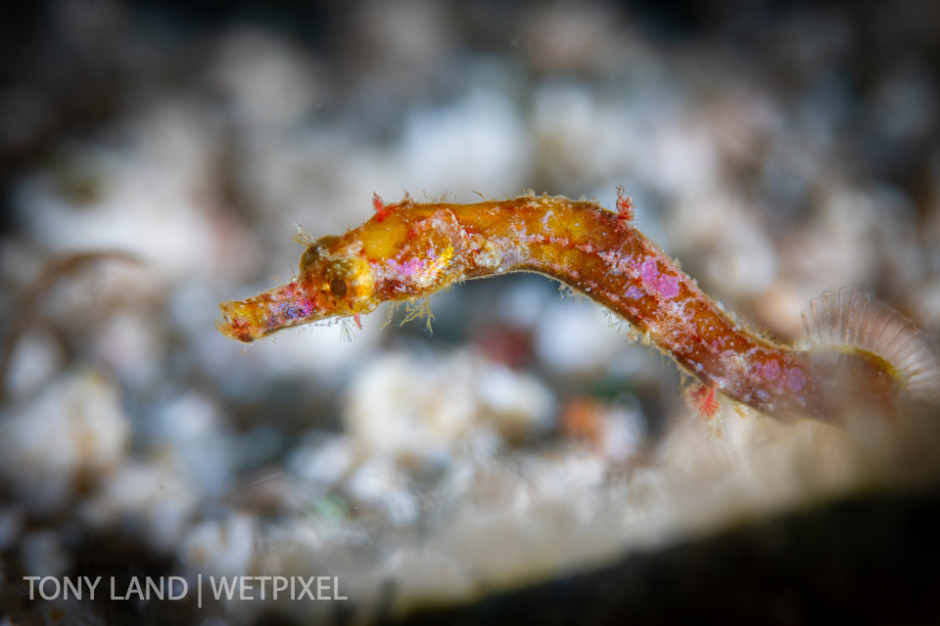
{"x":857,"y":352}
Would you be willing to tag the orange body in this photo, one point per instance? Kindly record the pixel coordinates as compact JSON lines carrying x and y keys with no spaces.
{"x":410,"y":250}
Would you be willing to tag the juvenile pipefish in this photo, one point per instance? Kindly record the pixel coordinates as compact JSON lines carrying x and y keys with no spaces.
{"x":857,"y":351}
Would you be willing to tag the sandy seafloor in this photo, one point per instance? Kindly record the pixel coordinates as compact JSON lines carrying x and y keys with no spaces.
{"x":156,"y":159}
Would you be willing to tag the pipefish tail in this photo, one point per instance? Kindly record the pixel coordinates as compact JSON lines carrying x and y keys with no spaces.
{"x":858,"y":352}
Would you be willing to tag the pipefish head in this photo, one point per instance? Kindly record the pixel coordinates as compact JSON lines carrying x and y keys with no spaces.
{"x":340,"y":277}
{"x":335,"y":280}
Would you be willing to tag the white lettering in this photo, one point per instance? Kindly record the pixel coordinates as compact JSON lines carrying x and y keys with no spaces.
{"x":268,"y":588}
{"x":245,"y":586}
{"x":224,"y":586}
{"x":280,"y":584}
{"x":153,"y":585}
{"x":305,"y":583}
{"x":56,"y":585}
{"x":261,"y":580}
{"x":32,"y":583}
{"x":71,"y":585}
{"x":133,"y":588}
{"x":177,"y":582}
{"x":320,"y":586}
{"x":336,"y":595}
{"x":91,"y":586}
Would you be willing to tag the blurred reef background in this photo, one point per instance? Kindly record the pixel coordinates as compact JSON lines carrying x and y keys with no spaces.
{"x":525,"y":459}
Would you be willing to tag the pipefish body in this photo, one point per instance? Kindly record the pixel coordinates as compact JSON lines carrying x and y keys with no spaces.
{"x":857,"y":351}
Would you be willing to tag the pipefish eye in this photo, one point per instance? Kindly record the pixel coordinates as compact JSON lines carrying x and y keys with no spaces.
{"x":349,"y":279}
{"x":338,"y":287}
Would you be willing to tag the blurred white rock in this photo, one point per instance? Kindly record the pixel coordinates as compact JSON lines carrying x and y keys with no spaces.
{"x":146,"y":500}
{"x":75,"y":431}
{"x":222,"y":547}
{"x":406,"y":407}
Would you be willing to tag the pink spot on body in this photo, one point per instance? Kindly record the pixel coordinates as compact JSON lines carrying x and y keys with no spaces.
{"x":649,"y":274}
{"x":669,"y":286}
{"x":770,"y":370}
{"x":408,"y":268}
{"x":666,"y":286}
{"x":795,"y":379}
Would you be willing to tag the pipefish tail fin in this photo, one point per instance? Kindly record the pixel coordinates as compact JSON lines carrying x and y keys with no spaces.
{"x":849,"y":320}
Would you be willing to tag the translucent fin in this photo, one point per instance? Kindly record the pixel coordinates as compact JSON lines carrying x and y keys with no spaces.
{"x":851,"y":319}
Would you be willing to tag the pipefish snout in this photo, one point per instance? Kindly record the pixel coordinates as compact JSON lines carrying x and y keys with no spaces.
{"x":857,"y":351}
